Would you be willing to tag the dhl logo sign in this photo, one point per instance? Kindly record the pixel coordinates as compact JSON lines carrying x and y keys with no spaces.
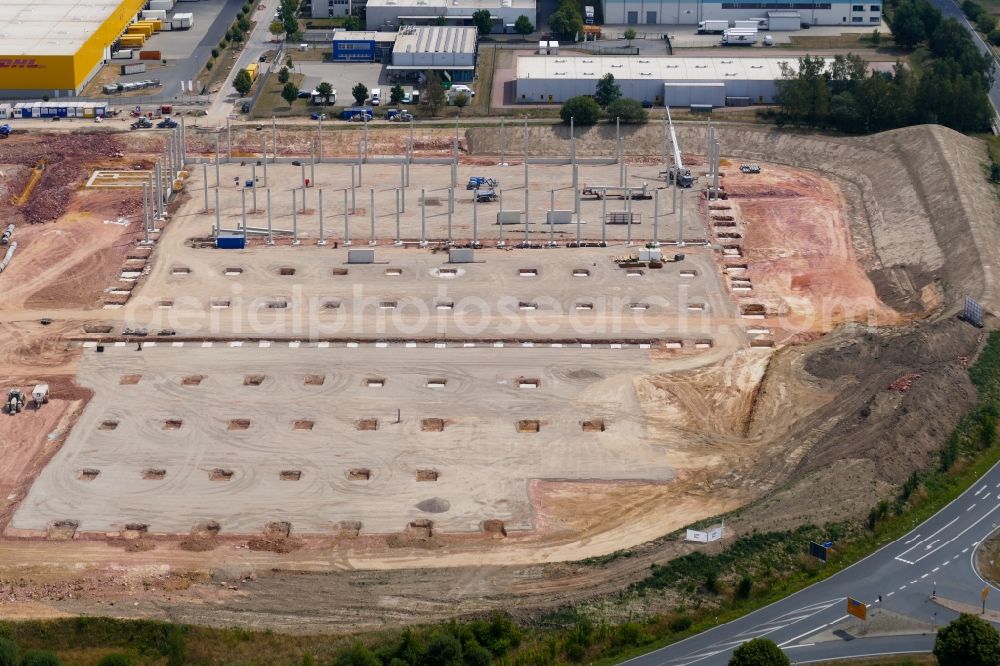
{"x":19,"y":63}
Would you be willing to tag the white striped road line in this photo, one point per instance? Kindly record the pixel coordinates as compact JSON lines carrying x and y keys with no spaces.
{"x":980,"y":490}
{"x":440,"y":345}
{"x":264,"y":344}
{"x":177,"y":344}
{"x":924,"y":576}
{"x":902,"y":587}
{"x":987,"y":495}
{"x":965,"y":550}
{"x":935,"y":569}
{"x":119,"y":344}
{"x":946,"y":526}
{"x":616,"y":345}
{"x":954,"y":538}
{"x":294,"y":344}
{"x":90,"y":344}
{"x":890,"y":594}
{"x":410,"y":345}
{"x":322,"y":345}
{"x":206,"y":345}
{"x":352,"y":345}
{"x":644,"y":345}
{"x":381,"y":345}
{"x":585,"y":345}
{"x":812,"y":631}
{"x":556,"y":345}
{"x":527,"y":344}
{"x":235,"y":343}
{"x":913,"y":581}
{"x":946,"y":563}
{"x":970,"y":508}
{"x":907,"y":543}
{"x":469,"y":344}
{"x":498,"y":345}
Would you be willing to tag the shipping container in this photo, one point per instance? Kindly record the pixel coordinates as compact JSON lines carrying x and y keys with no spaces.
{"x":183,"y":21}
{"x":134,"y":68}
{"x":122,"y":54}
{"x":160,"y":14}
{"x":6,"y":111}
{"x":149,"y":55}
{"x":230,"y":240}
{"x":252,"y":71}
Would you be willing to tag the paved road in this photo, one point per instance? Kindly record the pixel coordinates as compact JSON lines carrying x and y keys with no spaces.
{"x":936,"y":557}
{"x":949,"y":8}
{"x":257,"y":42}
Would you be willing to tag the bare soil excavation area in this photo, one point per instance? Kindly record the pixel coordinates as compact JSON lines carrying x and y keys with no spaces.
{"x":417,"y":438}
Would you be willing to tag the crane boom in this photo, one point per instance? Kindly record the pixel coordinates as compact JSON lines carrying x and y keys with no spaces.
{"x":673,"y":142}
{"x":677,"y":174}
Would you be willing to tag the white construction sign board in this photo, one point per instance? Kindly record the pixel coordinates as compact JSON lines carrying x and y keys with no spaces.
{"x":713,"y":534}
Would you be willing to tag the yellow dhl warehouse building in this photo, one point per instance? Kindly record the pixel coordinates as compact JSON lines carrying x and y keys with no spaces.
{"x":54,"y":47}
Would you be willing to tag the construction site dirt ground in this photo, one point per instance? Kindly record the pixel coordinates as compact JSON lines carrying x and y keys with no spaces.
{"x":255,"y":447}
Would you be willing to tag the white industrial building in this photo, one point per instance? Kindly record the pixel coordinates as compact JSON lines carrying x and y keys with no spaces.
{"x":688,"y":12}
{"x":390,"y":14}
{"x":670,"y":80}
{"x":449,"y":50}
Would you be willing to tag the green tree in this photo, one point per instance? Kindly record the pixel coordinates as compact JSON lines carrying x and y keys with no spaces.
{"x":283,"y":75}
{"x":607,"y":90}
{"x":627,"y":111}
{"x":435,"y":93}
{"x":629,"y":35}
{"x":908,"y":28}
{"x":744,"y":587}
{"x":40,"y":658}
{"x":115,"y":660}
{"x":396,"y":94}
{"x":444,"y":650}
{"x":483,"y":21}
{"x":461,"y":100}
{"x":759,"y":652}
{"x":986,"y":24}
{"x":357,"y":655}
{"x":291,"y":25}
{"x":994,"y":37}
{"x":360,"y":93}
{"x":523,"y":26}
{"x":290,"y":93}
{"x":441,"y":20}
{"x":352,"y":23}
{"x":583,"y":110}
{"x":326,"y":90}
{"x":243,"y":83}
{"x":244,"y":23}
{"x":967,"y":641}
{"x":566,"y":22}
{"x":8,"y":652}
{"x":277,"y":28}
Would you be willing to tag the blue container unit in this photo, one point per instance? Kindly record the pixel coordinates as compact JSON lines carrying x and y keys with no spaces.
{"x":230,"y":240}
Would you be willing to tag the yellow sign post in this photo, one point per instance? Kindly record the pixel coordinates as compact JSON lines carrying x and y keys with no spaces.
{"x":857,"y":609}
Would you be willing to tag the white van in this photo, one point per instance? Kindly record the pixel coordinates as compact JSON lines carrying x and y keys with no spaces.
{"x":376,"y":96}
{"x":462,"y":89}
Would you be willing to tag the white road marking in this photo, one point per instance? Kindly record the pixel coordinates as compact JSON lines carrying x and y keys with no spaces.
{"x":902,"y":587}
{"x":913,"y":581}
{"x":323,"y":345}
{"x":352,"y":345}
{"x":410,"y":345}
{"x":907,"y":543}
{"x":235,"y":343}
{"x":946,"y":526}
{"x":970,"y":508}
{"x":965,"y":550}
{"x":987,"y":495}
{"x":264,"y":344}
{"x":980,"y":490}
{"x":954,"y":538}
{"x":924,"y":576}
{"x":378,"y":345}
{"x":890,"y":594}
{"x":177,"y":344}
{"x":294,"y":344}
{"x":812,"y":631}
{"x":206,"y":345}
{"x":119,"y":344}
{"x":935,"y":570}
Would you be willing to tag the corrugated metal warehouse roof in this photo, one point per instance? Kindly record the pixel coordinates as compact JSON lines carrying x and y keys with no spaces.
{"x":436,"y":39}
{"x":51,"y":27}
{"x":652,"y":68}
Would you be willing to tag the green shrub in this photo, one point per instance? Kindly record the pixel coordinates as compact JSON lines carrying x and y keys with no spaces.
{"x":8,"y":652}
{"x":115,"y":660}
{"x":583,"y":110}
{"x":215,"y":53}
{"x":40,"y":658}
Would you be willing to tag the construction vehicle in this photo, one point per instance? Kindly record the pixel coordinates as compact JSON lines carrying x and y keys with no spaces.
{"x":15,"y":401}
{"x":40,"y":395}
{"x":142,"y":123}
{"x":483,"y":196}
{"x":475,"y":182}
{"x":167,"y":123}
{"x":677,"y":173}
{"x":592,"y":32}
{"x":5,"y":130}
{"x":633,"y":192}
{"x":357,"y":113}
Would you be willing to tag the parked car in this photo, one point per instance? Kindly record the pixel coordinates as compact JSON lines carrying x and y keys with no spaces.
{"x":317,"y":116}
{"x":303,"y":94}
{"x":262,"y":58}
{"x":407,"y":98}
{"x":456,"y":89}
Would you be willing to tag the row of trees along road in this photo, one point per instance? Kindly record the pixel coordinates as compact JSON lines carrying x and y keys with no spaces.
{"x":947,"y":81}
{"x":965,"y":641}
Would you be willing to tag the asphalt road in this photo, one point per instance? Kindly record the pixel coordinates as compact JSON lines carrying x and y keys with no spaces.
{"x":936,"y":557}
{"x":949,"y":8}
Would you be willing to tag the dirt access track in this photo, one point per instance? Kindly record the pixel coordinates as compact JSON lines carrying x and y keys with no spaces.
{"x":856,"y":258}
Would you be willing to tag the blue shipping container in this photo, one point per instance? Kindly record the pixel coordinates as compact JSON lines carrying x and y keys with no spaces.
{"x":230,"y":241}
